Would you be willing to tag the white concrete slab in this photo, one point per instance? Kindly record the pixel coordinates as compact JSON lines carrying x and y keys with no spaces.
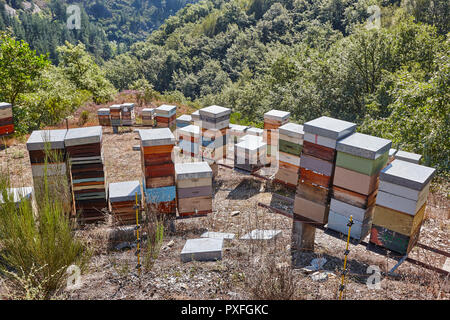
{"x":446,"y":266}
{"x":204,"y":249}
{"x":124,"y":191}
{"x":218,"y":235}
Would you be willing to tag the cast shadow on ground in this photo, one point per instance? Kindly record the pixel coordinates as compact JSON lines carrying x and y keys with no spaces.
{"x":246,"y":189}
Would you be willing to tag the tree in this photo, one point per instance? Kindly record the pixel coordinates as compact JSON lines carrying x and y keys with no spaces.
{"x":419,"y":117}
{"x":52,"y":100}
{"x":80,"y":68}
{"x":19,"y":67}
{"x":144,"y":91}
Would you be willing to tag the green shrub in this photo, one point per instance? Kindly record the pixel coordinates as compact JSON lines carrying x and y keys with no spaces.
{"x":84,"y":117}
{"x":37,"y":243}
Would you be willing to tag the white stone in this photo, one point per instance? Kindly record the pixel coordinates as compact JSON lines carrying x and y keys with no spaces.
{"x":124,"y":191}
{"x":446,"y":266}
{"x":218,"y":235}
{"x":204,"y":249}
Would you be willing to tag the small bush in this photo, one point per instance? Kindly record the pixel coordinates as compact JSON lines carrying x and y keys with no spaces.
{"x":84,"y":117}
{"x":37,"y":243}
{"x":272,"y":280}
{"x":155,"y":236}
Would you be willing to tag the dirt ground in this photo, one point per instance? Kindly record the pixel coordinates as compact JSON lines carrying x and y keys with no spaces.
{"x":112,"y":274}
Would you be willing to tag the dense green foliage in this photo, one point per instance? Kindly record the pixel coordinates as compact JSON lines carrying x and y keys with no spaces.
{"x":107,"y":27}
{"x":312,"y":58}
{"x":43,"y":94}
{"x":19,"y":68}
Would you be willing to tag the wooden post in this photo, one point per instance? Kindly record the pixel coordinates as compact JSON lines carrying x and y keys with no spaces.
{"x":303,"y":236}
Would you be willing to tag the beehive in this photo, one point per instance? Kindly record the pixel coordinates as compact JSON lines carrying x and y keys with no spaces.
{"x":183,"y":121}
{"x":194,"y":188}
{"x":6,"y":119}
{"x":272,"y":121}
{"x":195,"y":118}
{"x":122,"y":201}
{"x":127,"y":114}
{"x":103,"y":115}
{"x":359,"y":160}
{"x":290,"y":145}
{"x":400,"y":205}
{"x":84,"y":148}
{"x":189,"y":140}
{"x":158,"y":170}
{"x":147,"y":116}
{"x":214,"y":125}
{"x":46,"y":149}
{"x":317,"y":163}
{"x":115,"y":115}
{"x":250,"y":154}
{"x":165,"y":116}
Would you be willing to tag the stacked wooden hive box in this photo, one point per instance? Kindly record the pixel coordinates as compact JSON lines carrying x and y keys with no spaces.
{"x":290,"y":145}
{"x":235,"y":133}
{"x":214,"y":125}
{"x":359,"y":160}
{"x":115,"y":118}
{"x":103,"y":115}
{"x":255,"y":132}
{"x":147,"y":117}
{"x":195,"y":118}
{"x":84,"y":148}
{"x":400,"y":205}
{"x":272,"y":121}
{"x":250,"y":153}
{"x":165,"y":116}
{"x":6,"y":119}
{"x":159,"y":170}
{"x":194,"y":188}
{"x":189,"y":140}
{"x":317,"y":166}
{"x":122,"y":201}
{"x":47,"y":153}
{"x":127,"y":114}
{"x":183,"y":121}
